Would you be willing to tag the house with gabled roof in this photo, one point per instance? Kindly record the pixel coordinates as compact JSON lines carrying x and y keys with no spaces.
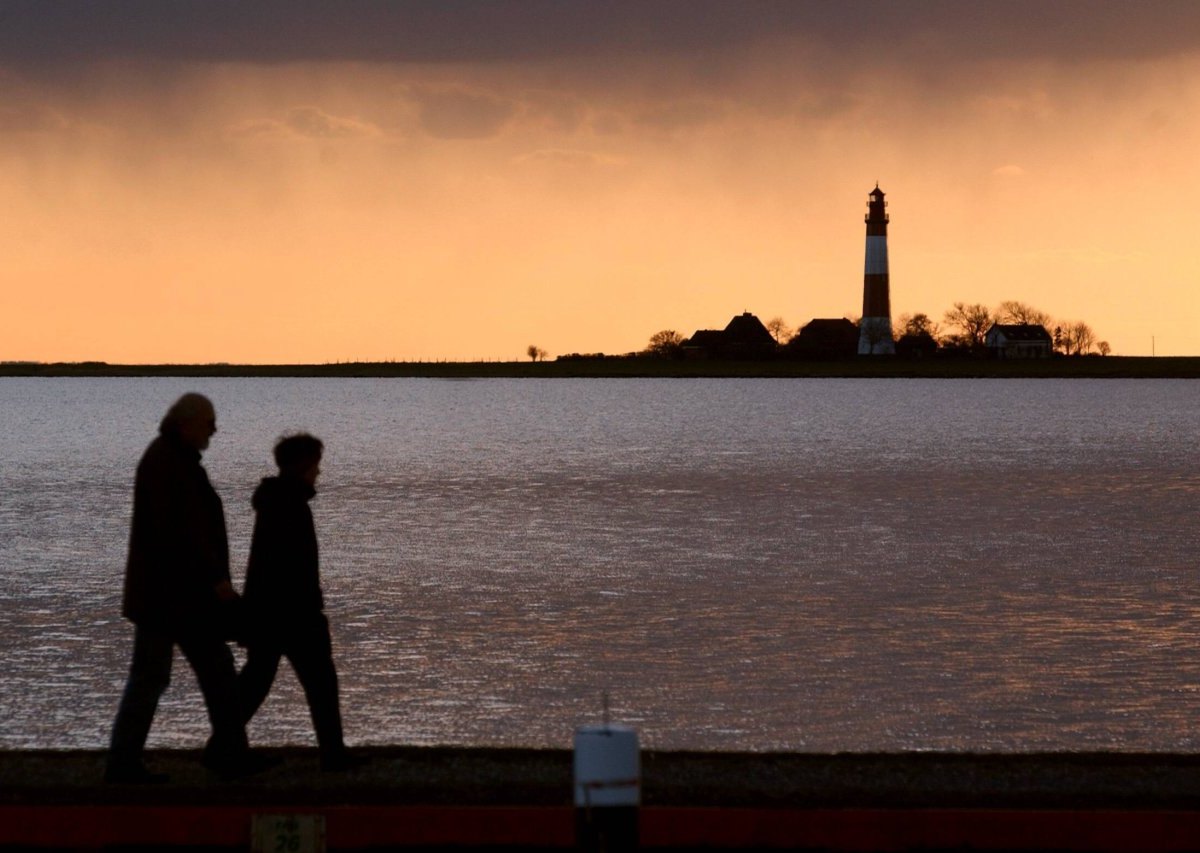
{"x":744,"y":337}
{"x":826,"y":338}
{"x":1018,"y":340}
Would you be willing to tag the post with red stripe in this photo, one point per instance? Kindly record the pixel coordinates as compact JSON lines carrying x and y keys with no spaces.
{"x":608,"y":788}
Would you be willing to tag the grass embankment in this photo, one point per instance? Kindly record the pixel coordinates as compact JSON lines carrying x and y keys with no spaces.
{"x":934,"y":368}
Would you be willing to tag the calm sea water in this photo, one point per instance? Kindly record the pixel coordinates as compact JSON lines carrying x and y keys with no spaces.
{"x":740,"y":564}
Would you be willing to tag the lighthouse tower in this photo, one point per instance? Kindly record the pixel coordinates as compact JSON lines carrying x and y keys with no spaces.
{"x":875,"y":330}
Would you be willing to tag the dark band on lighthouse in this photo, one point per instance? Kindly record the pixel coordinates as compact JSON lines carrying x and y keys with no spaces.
{"x":875,"y":329}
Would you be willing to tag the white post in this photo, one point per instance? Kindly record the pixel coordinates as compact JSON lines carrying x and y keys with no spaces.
{"x":608,"y":787}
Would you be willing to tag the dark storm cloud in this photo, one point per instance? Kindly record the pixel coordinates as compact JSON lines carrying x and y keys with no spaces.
{"x":49,"y":33}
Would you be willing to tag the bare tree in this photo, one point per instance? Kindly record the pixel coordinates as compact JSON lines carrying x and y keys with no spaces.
{"x":779,"y":330}
{"x":536,"y":353}
{"x":971,"y":321}
{"x":1019,"y":313}
{"x":1103,"y":348}
{"x":1077,"y":338}
{"x":665,"y":343}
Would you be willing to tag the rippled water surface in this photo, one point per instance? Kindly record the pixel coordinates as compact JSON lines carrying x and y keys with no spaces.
{"x":741,"y":564}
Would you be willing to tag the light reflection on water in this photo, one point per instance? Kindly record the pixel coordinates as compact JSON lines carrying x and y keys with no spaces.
{"x":775,"y":564}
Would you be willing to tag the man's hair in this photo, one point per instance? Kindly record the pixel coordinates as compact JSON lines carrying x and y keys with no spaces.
{"x":187,"y":408}
{"x":294,"y":450}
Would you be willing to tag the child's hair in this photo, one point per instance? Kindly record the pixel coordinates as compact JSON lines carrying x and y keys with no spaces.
{"x":294,"y":450}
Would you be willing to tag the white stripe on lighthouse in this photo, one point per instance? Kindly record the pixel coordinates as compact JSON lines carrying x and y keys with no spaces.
{"x":875,"y":336}
{"x":877,"y":259}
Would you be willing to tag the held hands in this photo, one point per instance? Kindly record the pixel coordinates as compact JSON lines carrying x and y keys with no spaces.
{"x":228,"y":619}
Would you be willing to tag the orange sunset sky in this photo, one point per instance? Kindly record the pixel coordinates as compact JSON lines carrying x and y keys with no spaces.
{"x":312,"y":182}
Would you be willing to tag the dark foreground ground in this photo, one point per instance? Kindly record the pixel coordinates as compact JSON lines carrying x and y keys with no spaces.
{"x":543,"y":777}
{"x":444,"y":798}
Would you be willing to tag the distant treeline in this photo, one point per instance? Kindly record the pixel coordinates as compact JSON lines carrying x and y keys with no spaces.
{"x":962,"y":333}
{"x":966,"y":327}
{"x":643,"y":366}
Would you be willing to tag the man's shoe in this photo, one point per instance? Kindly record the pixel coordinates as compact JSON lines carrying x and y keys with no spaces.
{"x":133,"y":774}
{"x":343,"y":762}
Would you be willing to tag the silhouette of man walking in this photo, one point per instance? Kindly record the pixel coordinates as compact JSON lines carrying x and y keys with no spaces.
{"x":177,"y":590}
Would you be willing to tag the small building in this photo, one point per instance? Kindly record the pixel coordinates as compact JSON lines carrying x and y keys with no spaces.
{"x":705,"y":340}
{"x":744,"y":337}
{"x":826,"y":339}
{"x":1018,"y":340}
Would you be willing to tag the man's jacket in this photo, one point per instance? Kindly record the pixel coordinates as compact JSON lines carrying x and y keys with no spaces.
{"x":178,"y":546}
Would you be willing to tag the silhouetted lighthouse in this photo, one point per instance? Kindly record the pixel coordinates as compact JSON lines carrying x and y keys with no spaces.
{"x":875,"y":330}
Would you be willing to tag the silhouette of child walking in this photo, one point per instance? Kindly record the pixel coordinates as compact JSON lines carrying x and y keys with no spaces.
{"x":283,"y":601}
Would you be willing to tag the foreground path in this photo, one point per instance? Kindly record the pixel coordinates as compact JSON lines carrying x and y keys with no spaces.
{"x":412,"y":797}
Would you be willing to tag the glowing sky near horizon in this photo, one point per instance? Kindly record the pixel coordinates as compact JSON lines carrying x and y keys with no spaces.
{"x":310,"y":182}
